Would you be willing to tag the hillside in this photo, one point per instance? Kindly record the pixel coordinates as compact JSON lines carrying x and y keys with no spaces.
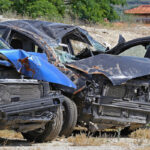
{"x":134,"y":3}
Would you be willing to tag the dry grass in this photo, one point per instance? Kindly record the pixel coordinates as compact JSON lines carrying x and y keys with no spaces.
{"x":83,"y":140}
{"x":141,"y":134}
{"x":10,"y":134}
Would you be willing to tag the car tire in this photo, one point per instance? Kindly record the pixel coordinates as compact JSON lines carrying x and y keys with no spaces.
{"x":69,"y":117}
{"x":51,"y":131}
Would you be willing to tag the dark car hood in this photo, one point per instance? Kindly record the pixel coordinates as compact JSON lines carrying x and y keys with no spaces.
{"x":118,"y":69}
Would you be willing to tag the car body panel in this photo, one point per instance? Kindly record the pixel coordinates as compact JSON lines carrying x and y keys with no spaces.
{"x":48,"y":35}
{"x":118,"y":69}
{"x":50,"y":32}
{"x":36,"y":66}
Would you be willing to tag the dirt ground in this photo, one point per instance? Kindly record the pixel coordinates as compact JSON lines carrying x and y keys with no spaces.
{"x":110,"y":35}
{"x":63,"y":144}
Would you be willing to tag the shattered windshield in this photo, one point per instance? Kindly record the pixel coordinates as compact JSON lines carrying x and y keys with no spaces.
{"x":77,"y":45}
{"x":64,"y":56}
{"x":75,"y":50}
{"x":97,"y":46}
{"x":3,"y":45}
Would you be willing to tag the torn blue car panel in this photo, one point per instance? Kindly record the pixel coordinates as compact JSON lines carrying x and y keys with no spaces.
{"x":36,"y":66}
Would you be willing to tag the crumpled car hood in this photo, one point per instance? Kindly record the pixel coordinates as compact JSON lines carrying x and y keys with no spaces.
{"x":36,"y":66}
{"x":118,"y":69}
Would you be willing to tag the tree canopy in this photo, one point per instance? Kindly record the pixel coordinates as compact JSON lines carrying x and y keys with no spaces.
{"x":87,"y":10}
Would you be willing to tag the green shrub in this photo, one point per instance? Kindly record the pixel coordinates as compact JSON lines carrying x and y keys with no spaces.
{"x":59,"y":4}
{"x":20,"y":6}
{"x":96,"y":10}
{"x":87,"y":10}
{"x":5,"y":5}
{"x":40,"y":8}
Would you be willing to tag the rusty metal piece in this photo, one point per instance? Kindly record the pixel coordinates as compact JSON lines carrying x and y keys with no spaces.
{"x":79,"y":90}
{"x":25,"y":63}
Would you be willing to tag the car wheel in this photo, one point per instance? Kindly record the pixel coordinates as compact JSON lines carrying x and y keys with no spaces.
{"x":69,"y":117}
{"x":51,"y":131}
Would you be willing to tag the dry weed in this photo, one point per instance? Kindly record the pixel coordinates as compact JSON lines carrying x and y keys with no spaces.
{"x":141,"y":134}
{"x":83,"y":140}
{"x":10,"y":134}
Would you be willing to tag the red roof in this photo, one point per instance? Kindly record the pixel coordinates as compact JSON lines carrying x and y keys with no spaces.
{"x":143,"y":9}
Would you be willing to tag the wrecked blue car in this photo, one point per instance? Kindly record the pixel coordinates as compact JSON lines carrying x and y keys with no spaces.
{"x":28,"y":105}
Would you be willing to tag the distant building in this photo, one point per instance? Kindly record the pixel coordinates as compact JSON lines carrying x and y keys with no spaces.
{"x":142,"y":13}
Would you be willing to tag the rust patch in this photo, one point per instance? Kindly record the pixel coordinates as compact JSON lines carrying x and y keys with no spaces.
{"x":37,"y":39}
{"x":25,"y":63}
{"x":96,"y":67}
{"x":78,"y":90}
{"x":75,"y":67}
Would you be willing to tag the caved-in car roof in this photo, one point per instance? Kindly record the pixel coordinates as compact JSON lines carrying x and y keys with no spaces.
{"x":51,"y":33}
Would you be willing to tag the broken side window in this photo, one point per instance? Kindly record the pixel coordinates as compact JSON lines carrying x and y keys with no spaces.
{"x":20,"y":41}
{"x":138,"y":51}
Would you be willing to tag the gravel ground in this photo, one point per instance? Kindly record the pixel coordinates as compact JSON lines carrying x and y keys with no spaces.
{"x":111,"y":144}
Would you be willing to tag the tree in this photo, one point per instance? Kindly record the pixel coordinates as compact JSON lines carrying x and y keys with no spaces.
{"x":95,"y":10}
{"x":5,"y":5}
{"x":40,"y":8}
{"x":35,"y":8}
{"x":89,"y":10}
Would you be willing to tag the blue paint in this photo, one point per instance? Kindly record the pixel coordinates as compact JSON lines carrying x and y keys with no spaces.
{"x":5,"y":63}
{"x":40,"y":68}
